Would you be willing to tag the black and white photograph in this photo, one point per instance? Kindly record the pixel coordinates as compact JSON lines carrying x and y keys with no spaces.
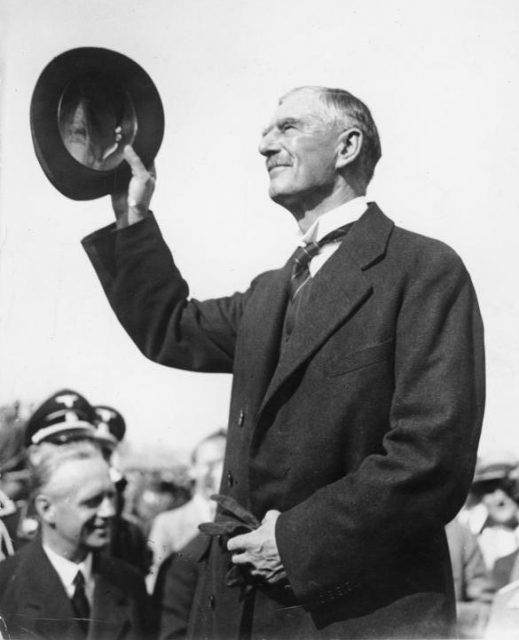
{"x":259,"y":356}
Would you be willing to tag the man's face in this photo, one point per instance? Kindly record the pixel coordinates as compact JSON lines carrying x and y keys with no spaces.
{"x":81,"y":505}
{"x":300,"y":148}
{"x":208,"y":467}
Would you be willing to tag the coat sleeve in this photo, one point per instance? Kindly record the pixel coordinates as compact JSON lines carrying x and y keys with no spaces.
{"x":151,"y":300}
{"x":354,"y":531}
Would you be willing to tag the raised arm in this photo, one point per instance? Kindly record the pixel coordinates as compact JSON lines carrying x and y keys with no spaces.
{"x":147,"y":292}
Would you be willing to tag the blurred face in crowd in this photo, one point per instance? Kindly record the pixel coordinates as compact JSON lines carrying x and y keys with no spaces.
{"x":152,"y":501}
{"x":76,"y":507}
{"x":300,"y":146}
{"x":208,"y":466}
{"x":502,"y":509}
{"x":14,"y":484}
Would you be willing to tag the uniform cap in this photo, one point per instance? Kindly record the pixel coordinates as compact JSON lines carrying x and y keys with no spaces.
{"x":65,"y":416}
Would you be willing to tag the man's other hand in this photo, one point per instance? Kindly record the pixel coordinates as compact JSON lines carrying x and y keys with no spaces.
{"x":259,"y":550}
{"x":131,"y":204}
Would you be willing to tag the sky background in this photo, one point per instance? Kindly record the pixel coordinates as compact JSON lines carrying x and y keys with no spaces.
{"x":441,"y":80}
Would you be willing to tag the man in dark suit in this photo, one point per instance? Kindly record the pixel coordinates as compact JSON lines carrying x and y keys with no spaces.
{"x":59,"y":586}
{"x":357,"y":397}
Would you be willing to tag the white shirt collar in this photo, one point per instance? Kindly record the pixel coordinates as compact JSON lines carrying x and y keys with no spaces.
{"x":67,"y":570}
{"x":348,"y":212}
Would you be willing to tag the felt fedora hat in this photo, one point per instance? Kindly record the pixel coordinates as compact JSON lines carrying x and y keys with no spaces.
{"x":88,"y":103}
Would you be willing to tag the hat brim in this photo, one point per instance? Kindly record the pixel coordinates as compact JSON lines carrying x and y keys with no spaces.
{"x":72,"y":178}
{"x":64,"y":432}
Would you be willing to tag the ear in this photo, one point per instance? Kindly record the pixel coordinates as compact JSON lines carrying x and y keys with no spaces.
{"x":348,"y":147}
{"x":45,"y":508}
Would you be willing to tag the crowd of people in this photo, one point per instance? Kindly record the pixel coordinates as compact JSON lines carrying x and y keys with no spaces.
{"x":67,"y":507}
{"x":137,"y":532}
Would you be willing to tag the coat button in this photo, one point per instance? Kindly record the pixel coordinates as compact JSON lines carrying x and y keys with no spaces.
{"x":241,"y":418}
{"x":212,"y":601}
{"x":230,"y":479}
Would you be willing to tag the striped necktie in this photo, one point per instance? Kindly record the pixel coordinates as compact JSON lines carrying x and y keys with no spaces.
{"x":303,"y":255}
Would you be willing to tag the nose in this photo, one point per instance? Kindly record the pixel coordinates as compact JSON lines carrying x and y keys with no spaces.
{"x":107,"y":507}
{"x":269,"y":143}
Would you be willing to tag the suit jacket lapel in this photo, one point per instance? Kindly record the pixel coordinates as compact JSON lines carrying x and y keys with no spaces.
{"x":338,"y":290}
{"x":266,"y":315}
{"x":46,"y":602}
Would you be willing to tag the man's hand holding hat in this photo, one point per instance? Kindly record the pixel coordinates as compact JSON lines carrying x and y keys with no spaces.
{"x":131,"y":204}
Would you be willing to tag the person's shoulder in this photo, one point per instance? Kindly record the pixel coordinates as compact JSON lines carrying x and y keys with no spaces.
{"x":421,"y":255}
{"x":28,"y":553}
{"x":420,"y":243}
{"x":19,"y":564}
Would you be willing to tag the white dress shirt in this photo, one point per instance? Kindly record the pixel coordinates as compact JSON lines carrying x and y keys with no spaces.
{"x":67,"y":571}
{"x":329,"y":221}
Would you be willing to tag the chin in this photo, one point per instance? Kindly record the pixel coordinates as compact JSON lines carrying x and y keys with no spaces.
{"x":280,"y":197}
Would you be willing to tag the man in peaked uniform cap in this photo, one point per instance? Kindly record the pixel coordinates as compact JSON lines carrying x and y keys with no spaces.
{"x":65,"y":416}
{"x":60,"y":586}
{"x":358,"y":391}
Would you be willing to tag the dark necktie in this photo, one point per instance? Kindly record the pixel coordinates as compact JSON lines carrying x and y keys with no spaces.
{"x":80,"y":602}
{"x":300,"y":271}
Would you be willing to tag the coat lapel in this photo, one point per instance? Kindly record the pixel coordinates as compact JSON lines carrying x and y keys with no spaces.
{"x":338,"y":290}
{"x":266,"y":315}
{"x":46,"y":602}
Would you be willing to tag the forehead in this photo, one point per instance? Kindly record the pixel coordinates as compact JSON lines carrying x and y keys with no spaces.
{"x":303,"y":104}
{"x":78,"y":478}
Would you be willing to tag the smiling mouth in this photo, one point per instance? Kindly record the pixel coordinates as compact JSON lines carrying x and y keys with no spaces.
{"x":271,"y":167}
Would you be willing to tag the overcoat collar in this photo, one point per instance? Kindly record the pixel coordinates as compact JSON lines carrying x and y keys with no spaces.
{"x":339,"y":288}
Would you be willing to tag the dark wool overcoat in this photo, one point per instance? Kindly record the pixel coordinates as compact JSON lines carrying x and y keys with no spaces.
{"x":361,"y":429}
{"x":35,"y":605}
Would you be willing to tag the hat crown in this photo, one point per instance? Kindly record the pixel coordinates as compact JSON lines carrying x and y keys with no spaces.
{"x":64,"y":411}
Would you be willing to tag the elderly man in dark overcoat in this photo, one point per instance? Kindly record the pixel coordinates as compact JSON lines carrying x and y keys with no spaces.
{"x":357,"y":397}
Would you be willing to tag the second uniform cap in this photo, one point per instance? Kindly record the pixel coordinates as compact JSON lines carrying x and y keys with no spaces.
{"x":110,"y":425}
